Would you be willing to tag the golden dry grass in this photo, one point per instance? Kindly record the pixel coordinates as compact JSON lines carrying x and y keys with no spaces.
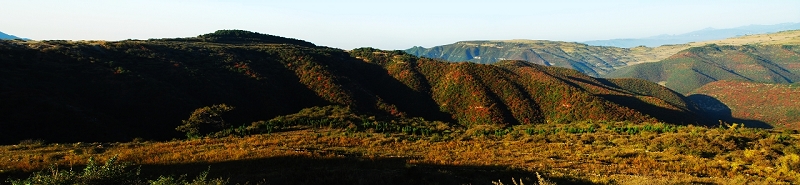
{"x":691,"y":155}
{"x":791,"y":37}
{"x":645,"y":54}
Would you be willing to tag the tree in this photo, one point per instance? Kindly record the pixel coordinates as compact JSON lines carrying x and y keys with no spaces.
{"x":208,"y":116}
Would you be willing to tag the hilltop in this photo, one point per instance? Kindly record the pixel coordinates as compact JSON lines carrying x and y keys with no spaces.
{"x":110,"y":91}
{"x":243,"y":37}
{"x":789,"y":37}
{"x":743,"y":102}
{"x":694,"y":67}
{"x":696,"y":36}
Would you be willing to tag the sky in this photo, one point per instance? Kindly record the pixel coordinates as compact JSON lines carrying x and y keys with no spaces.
{"x":349,"y":24}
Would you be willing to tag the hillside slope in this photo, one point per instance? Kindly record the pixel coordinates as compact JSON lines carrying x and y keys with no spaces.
{"x":775,"y":104}
{"x":592,"y":60}
{"x":694,"y":67}
{"x":110,"y":91}
{"x":528,"y":90}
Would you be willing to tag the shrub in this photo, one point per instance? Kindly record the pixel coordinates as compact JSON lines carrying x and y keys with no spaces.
{"x":790,"y":162}
{"x":541,"y":181}
{"x":204,"y":116}
{"x":109,"y":173}
{"x":199,"y":180}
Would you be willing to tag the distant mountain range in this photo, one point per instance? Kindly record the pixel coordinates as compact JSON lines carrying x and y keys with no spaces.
{"x":7,"y":36}
{"x":695,"y":36}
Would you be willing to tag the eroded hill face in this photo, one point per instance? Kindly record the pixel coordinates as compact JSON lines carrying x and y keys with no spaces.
{"x":752,"y":103}
{"x":592,"y":60}
{"x":65,"y":91}
{"x":695,"y":67}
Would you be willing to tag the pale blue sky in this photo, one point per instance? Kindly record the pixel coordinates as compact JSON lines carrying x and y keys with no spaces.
{"x":382,"y":24}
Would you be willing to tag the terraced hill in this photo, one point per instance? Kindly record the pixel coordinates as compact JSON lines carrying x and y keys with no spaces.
{"x":65,"y":91}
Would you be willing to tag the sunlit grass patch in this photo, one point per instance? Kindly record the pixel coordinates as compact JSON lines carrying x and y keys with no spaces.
{"x":589,"y":151}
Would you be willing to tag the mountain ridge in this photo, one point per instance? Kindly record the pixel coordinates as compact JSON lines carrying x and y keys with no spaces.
{"x":119,"y":90}
{"x":550,"y":53}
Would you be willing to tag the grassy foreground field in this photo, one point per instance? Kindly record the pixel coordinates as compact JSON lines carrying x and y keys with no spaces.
{"x":577,"y":153}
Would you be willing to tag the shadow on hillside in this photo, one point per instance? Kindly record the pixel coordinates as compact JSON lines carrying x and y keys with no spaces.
{"x":391,"y":90}
{"x":343,"y":169}
{"x":149,"y":101}
{"x":716,"y":110}
{"x":348,"y":170}
{"x":660,"y":113}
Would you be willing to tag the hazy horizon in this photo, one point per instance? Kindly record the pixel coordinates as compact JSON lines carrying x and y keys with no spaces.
{"x":386,"y":25}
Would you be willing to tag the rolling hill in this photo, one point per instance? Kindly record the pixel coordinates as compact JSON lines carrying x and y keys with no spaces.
{"x":744,"y":102}
{"x":66,"y":91}
{"x":592,"y":60}
{"x":696,"y":36}
{"x":697,"y":66}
